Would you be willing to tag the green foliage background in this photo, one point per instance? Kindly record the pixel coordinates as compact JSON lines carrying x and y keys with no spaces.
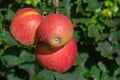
{"x":97,"y":32}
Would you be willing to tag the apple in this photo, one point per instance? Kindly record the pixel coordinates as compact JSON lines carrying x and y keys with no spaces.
{"x":55,"y":30}
{"x":24,"y":25}
{"x":60,"y":59}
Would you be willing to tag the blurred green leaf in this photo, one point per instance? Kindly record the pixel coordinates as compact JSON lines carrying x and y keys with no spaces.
{"x":46,"y":74}
{"x":32,"y":2}
{"x":95,"y":72}
{"x":29,"y":67}
{"x":81,"y":59}
{"x":105,"y":76}
{"x":108,"y":3}
{"x":68,"y":76}
{"x":19,"y":1}
{"x":44,"y":8}
{"x":76,"y":35}
{"x":0,"y":27}
{"x":115,"y":37}
{"x":118,"y":78}
{"x":105,"y":48}
{"x":102,"y":67}
{"x":117,"y":72}
{"x":9,"y":14}
{"x":113,"y":23}
{"x":81,"y":20}
{"x":117,"y":49}
{"x":82,"y":78}
{"x":93,"y":6}
{"x":11,"y":60}
{"x":67,"y":6}
{"x":9,"y":39}
{"x":93,"y":31}
{"x":26,"y":56}
{"x":36,"y":78}
{"x":11,"y":75}
{"x":1,"y":30}
{"x":117,"y":59}
{"x":1,"y":52}
{"x":100,"y":27}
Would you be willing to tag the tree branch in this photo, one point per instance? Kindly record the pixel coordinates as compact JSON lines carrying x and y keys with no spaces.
{"x":56,"y":4}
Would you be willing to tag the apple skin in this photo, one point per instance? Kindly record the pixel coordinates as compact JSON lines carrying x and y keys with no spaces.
{"x":55,"y":30}
{"x":24,"y":25}
{"x":59,"y":60}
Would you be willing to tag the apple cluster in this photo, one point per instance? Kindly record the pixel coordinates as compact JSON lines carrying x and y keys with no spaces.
{"x":55,"y":47}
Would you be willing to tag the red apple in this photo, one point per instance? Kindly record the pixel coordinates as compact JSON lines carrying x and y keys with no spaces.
{"x":59,"y":60}
{"x":24,"y":25}
{"x":55,"y":30}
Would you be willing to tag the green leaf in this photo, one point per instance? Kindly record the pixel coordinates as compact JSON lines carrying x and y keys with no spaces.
{"x":113,"y":23}
{"x":117,"y":49}
{"x":83,"y":71}
{"x":9,"y":15}
{"x":12,"y":76}
{"x":66,"y":7}
{"x":92,"y":6}
{"x":66,"y":76}
{"x":9,"y":39}
{"x":11,"y":60}
{"x":118,"y":78}
{"x":115,"y":9}
{"x":117,"y":72}
{"x":95,"y":72}
{"x":81,"y":20}
{"x":81,"y":59}
{"x":79,"y":6}
{"x":35,"y":77}
{"x":46,"y":74}
{"x":102,"y":67}
{"x":108,"y":3}
{"x":82,"y":78}
{"x":69,"y":76}
{"x":30,"y":67}
{"x":1,"y":52}
{"x":105,"y":48}
{"x":0,"y":27}
{"x":93,"y":31}
{"x":26,"y":56}
{"x":115,"y":37}
{"x":117,"y":59}
{"x":18,"y":1}
{"x":76,"y":35}
{"x":93,"y":20}
{"x":77,"y":72}
{"x":32,"y":2}
{"x":106,"y":77}
{"x":100,"y":27}
{"x":44,"y":8}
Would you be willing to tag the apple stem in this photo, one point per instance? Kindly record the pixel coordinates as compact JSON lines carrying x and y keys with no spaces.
{"x":56,"y":3}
